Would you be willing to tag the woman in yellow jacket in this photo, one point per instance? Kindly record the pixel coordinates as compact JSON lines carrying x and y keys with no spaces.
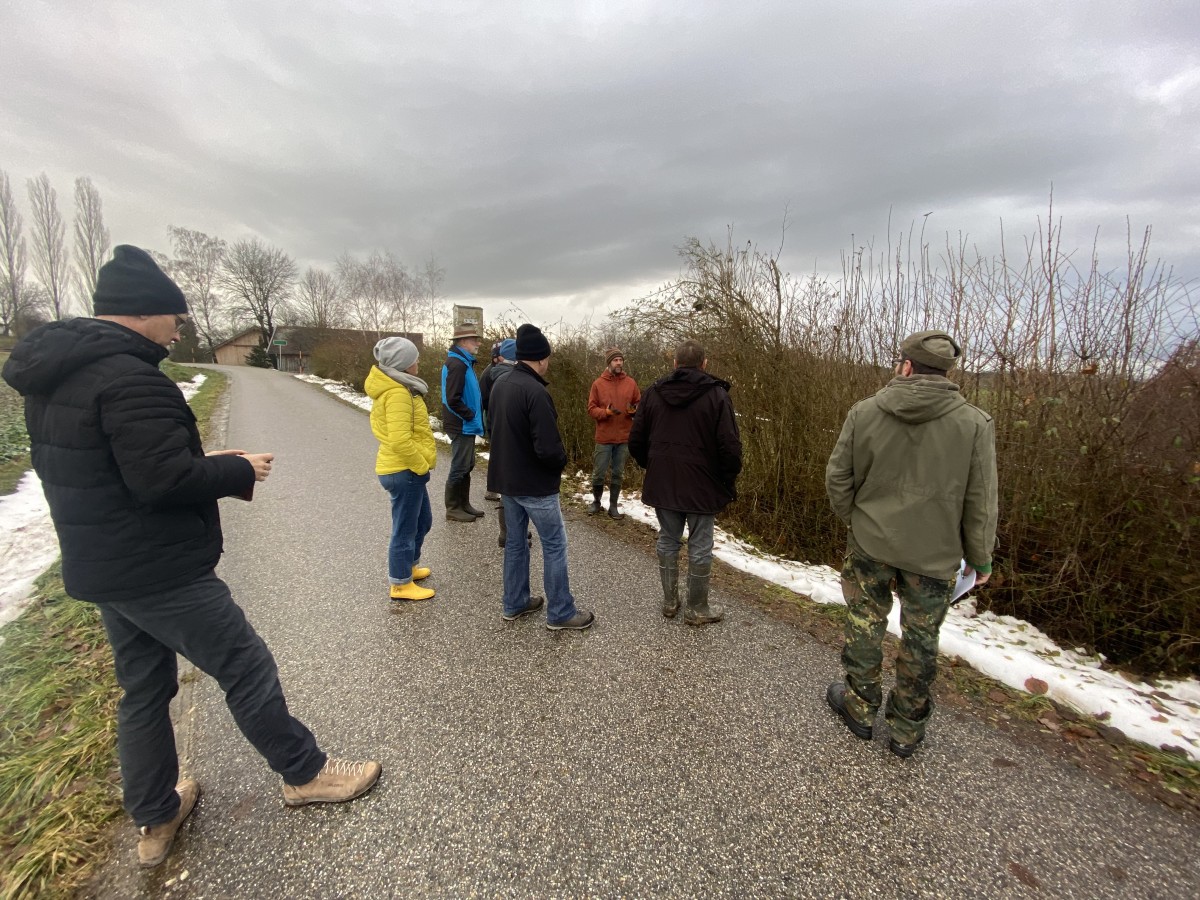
{"x":400,"y":422}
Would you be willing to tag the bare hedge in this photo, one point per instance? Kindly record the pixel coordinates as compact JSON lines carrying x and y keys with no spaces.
{"x":1092,"y":377}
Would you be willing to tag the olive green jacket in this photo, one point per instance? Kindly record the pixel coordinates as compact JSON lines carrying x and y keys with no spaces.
{"x":914,"y":476}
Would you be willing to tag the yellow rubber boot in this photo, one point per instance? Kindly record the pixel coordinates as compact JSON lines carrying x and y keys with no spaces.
{"x":421,"y":572}
{"x":410,"y":591}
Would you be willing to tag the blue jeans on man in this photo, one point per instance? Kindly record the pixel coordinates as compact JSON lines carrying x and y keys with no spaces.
{"x":412,"y":518}
{"x":546,"y":515}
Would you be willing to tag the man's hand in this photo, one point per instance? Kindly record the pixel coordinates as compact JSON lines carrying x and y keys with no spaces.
{"x":980,"y":578}
{"x":261,"y":463}
{"x":225,"y":453}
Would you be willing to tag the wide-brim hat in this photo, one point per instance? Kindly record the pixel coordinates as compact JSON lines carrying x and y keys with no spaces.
{"x":466,"y":331}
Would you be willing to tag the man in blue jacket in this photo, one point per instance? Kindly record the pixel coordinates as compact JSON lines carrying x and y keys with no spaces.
{"x":462,"y":418}
{"x":134,"y":498}
{"x":526,"y":469}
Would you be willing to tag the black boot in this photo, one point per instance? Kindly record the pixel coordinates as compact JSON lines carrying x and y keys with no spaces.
{"x":454,"y":510}
{"x":613,"y":493}
{"x":668,"y":571}
{"x":699,"y":611}
{"x":465,"y":497}
{"x":595,"y":507}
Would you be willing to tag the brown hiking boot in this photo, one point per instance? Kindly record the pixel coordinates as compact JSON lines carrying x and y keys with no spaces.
{"x":338,"y":781}
{"x":154,"y":841}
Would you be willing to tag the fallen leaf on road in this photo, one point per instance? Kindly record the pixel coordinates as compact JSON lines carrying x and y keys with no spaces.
{"x":1036,"y":686}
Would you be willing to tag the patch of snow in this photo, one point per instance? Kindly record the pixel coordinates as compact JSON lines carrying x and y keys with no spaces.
{"x":28,"y":544}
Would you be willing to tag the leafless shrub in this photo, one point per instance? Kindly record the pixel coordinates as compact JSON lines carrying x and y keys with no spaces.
{"x":1090,"y":374}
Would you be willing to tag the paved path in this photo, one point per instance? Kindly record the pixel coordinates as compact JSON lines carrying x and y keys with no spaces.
{"x":639,"y":758}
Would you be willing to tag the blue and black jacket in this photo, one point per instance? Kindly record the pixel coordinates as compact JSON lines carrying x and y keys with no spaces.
{"x":462,"y":404}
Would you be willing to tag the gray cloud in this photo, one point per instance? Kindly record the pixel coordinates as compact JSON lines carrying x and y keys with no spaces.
{"x":543,"y":153}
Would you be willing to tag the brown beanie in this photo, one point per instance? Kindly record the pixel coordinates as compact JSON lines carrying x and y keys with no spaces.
{"x":610,"y":355}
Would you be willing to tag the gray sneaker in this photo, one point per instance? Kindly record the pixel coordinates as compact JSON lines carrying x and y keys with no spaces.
{"x":535,"y":603}
{"x":581,"y":620}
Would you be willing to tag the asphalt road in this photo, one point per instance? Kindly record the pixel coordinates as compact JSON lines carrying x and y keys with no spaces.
{"x":640,"y":758}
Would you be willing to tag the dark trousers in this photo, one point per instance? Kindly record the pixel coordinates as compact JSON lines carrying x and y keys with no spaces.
{"x":200,"y":622}
{"x":462,"y":457}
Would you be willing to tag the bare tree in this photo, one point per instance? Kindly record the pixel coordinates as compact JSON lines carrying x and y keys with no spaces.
{"x":364,"y":285}
{"x":14,"y":293}
{"x":196,"y":268}
{"x":91,"y":237}
{"x":318,"y":300}
{"x":259,"y":278}
{"x":437,"y":313}
{"x":51,"y":258}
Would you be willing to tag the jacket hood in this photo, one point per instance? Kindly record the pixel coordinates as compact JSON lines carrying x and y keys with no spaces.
{"x":48,"y":355}
{"x":611,"y":377}
{"x":683,"y":386}
{"x":919,"y":398}
{"x":377,"y":383}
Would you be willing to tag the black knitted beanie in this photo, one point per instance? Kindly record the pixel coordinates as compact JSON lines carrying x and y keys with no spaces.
{"x":132,"y":284}
{"x":531,"y":343}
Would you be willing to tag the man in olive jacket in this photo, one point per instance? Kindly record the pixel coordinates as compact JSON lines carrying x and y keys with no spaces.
{"x":133,"y":498}
{"x":913,"y":475}
{"x":686,"y":438}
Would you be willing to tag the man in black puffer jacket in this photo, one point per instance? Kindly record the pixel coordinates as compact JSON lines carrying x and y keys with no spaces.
{"x":686,"y":438}
{"x":134,"y":501}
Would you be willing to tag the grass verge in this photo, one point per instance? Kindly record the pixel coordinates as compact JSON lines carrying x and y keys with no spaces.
{"x":57,"y":744}
{"x":59,"y":783}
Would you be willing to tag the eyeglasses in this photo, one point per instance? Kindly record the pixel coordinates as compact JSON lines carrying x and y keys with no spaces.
{"x":180,"y":321}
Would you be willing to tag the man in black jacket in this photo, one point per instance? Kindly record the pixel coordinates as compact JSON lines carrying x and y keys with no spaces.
{"x":134,"y":498}
{"x":526,"y":468}
{"x":686,"y":438}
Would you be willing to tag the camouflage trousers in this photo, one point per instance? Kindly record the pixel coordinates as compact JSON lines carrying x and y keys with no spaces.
{"x":867,"y":587}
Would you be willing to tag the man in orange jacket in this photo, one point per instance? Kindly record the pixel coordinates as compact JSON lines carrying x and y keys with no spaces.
{"x":612,"y":402}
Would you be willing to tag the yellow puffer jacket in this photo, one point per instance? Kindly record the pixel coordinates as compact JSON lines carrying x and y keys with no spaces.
{"x":400,"y":422}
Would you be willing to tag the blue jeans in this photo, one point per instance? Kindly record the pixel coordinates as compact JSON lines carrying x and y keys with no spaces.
{"x":411,"y":521}
{"x":546,"y":515}
{"x":462,"y":457}
{"x":700,"y":534}
{"x":200,"y":622}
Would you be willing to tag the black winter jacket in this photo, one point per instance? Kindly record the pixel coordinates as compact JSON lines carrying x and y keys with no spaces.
{"x":527,"y":455}
{"x":486,"y":382}
{"x":131,"y":493}
{"x":686,"y":438}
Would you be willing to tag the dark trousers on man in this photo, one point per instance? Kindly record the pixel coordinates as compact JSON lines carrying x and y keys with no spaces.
{"x":200,"y":622}
{"x":462,"y":457}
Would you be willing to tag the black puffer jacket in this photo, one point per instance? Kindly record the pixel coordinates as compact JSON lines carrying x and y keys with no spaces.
{"x":132,"y":495}
{"x":686,"y":438}
{"x":527,"y":450}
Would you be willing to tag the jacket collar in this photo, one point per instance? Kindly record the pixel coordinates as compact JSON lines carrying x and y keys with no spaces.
{"x":521,"y":367}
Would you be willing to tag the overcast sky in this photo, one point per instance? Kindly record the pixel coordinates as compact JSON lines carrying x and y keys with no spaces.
{"x":553,"y":154}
